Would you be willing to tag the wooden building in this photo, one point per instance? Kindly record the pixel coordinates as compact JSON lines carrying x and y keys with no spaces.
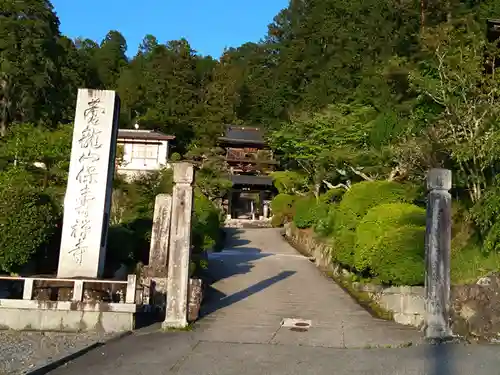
{"x":250,"y":162}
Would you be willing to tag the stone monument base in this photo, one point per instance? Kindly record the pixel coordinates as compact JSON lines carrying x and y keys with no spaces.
{"x":72,"y":309}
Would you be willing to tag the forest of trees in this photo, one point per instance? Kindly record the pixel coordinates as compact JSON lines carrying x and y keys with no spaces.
{"x":346,"y":90}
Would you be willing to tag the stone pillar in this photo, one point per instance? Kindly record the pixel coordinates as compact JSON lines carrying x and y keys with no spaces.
{"x":160,"y":235}
{"x":437,"y":255}
{"x":180,"y":247}
{"x":229,"y":205}
{"x":265,"y":210}
{"x":155,"y":274}
{"x":88,"y":195}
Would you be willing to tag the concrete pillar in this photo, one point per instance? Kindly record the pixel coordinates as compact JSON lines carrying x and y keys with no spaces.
{"x":437,"y":255}
{"x":180,"y":246}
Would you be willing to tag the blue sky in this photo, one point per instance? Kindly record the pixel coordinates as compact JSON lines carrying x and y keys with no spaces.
{"x":209,"y":25}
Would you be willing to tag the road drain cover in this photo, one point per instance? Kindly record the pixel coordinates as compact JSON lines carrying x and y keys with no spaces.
{"x":296,"y":325}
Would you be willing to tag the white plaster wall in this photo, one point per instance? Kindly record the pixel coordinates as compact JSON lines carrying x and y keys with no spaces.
{"x":133,"y":167}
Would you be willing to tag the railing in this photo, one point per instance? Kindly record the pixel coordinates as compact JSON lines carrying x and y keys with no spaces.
{"x":77,"y":296}
{"x":241,"y":155}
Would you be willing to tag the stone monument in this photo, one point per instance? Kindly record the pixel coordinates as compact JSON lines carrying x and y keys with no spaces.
{"x":437,"y":256}
{"x":155,"y":273}
{"x":88,"y":195}
{"x":180,"y":247}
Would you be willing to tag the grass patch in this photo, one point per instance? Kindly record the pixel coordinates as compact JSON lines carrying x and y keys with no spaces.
{"x":189,"y":328}
{"x":363,"y":298}
{"x":470,"y":263}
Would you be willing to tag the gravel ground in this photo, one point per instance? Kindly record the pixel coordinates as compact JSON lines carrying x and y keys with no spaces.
{"x":24,"y":351}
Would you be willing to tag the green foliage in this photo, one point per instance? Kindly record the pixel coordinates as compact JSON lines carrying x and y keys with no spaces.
{"x":471,"y":262}
{"x":289,"y":182}
{"x":486,"y":215}
{"x":308,"y":211}
{"x":27,"y":144}
{"x":121,"y":246}
{"x":400,"y":256}
{"x":332,"y":196}
{"x":355,"y":204}
{"x":325,"y":226}
{"x":207,"y":221}
{"x":282,"y":207}
{"x":175,"y":157}
{"x":212,"y":172}
{"x":378,"y":221}
{"x":28,"y":219}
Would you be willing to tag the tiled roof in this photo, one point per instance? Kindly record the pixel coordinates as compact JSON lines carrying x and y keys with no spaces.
{"x":144,"y":134}
{"x":251,"y":180}
{"x":242,"y":134}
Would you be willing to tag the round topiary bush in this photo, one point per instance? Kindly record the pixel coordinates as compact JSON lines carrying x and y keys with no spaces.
{"x":378,"y":221}
{"x":356,"y":202}
{"x":308,"y":211}
{"x":400,"y":257}
{"x":28,"y":219}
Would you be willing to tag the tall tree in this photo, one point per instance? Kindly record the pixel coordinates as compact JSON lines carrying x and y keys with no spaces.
{"x":29,"y":32}
{"x":110,"y":58}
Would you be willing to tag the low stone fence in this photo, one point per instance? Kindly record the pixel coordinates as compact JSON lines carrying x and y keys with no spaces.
{"x":405,"y":305}
{"x":247,"y":223}
{"x":71,"y":305}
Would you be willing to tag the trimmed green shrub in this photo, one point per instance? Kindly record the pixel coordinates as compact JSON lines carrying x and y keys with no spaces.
{"x":355,"y":203}
{"x":206,"y":224}
{"x":289,"y":182}
{"x":308,"y":211}
{"x":332,"y":196}
{"x":378,"y":221}
{"x":326,"y":224}
{"x":282,"y":207}
{"x":400,"y":257}
{"x":28,"y":219}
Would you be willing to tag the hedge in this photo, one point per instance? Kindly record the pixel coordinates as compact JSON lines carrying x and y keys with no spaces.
{"x":400,"y":257}
{"x":282,"y":207}
{"x":308,"y":211}
{"x":378,"y":221}
{"x":28,"y":219}
{"x":356,"y":202}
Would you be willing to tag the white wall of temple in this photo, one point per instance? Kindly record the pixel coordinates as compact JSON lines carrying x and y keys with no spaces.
{"x":142,"y":157}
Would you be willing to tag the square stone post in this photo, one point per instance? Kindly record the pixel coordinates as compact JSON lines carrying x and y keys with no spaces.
{"x":160,"y":234}
{"x":180,"y":247}
{"x":437,"y":256}
{"x":88,"y":195}
{"x":155,"y":273}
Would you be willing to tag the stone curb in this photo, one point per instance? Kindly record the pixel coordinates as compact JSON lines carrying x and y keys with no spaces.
{"x":57,"y":362}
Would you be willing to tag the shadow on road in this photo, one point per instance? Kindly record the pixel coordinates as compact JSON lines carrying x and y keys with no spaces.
{"x":232,"y":238}
{"x":438,"y":359}
{"x":217,"y":300}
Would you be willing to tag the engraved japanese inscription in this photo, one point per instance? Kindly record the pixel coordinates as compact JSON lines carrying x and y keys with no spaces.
{"x":88,"y":193}
{"x":86,"y":177}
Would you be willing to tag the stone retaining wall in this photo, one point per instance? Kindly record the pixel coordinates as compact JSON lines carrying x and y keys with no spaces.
{"x":405,"y":304}
{"x":475,"y":308}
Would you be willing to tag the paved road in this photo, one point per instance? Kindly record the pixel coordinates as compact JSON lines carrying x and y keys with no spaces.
{"x":261,"y":281}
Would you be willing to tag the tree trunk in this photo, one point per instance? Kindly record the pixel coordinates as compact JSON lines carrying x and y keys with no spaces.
{"x":3,"y":126}
{"x":4,"y":103}
{"x":422,"y":15}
